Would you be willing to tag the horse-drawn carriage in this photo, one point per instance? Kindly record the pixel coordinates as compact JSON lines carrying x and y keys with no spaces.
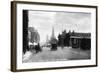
{"x":53,"y":44}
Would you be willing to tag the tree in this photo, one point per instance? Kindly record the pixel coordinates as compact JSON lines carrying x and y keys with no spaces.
{"x":59,"y":40}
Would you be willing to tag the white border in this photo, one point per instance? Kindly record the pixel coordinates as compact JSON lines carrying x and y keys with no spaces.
{"x":34,"y":65}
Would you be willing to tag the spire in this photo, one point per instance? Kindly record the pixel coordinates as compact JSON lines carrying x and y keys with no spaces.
{"x":53,"y":38}
{"x":52,"y":31}
{"x":53,"y":35}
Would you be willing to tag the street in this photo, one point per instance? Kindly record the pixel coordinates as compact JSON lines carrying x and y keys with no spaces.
{"x":60,"y":54}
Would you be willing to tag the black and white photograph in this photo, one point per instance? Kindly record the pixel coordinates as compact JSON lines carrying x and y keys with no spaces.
{"x":53,"y":36}
{"x":56,"y":36}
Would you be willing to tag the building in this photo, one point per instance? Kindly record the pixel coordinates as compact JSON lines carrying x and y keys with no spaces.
{"x":25,"y":31}
{"x":75,"y":40}
{"x":33,"y":35}
{"x":80,"y":40}
{"x":53,"y":41}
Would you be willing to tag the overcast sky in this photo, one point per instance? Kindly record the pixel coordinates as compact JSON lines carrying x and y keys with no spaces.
{"x":43,"y":21}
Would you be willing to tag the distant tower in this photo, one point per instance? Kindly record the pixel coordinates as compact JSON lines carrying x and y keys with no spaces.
{"x":53,"y":35}
{"x":47,"y":39}
{"x":53,"y":38}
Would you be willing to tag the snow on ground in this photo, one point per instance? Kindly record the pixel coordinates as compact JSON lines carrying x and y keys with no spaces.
{"x":59,"y":55}
{"x":27,"y":55}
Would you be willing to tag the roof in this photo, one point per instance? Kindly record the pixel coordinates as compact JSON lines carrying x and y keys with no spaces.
{"x":80,"y":35}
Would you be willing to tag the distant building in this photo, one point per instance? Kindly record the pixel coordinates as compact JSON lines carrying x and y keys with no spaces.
{"x":53,"y":41}
{"x":47,"y":39}
{"x":47,"y":43}
{"x":33,"y":35}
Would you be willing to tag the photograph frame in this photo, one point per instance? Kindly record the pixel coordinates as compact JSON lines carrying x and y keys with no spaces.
{"x":14,"y":35}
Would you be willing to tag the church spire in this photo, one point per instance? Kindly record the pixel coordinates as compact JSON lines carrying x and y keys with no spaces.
{"x":53,"y":38}
{"x":53,"y":35}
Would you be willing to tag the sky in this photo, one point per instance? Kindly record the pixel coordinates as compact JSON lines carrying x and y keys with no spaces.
{"x":44,"y":21}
